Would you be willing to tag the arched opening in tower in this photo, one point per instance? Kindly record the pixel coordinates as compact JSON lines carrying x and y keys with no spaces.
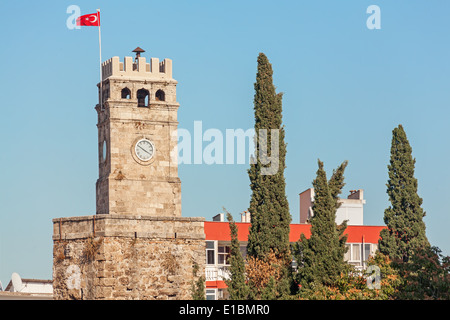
{"x":160,"y":95}
{"x":143,"y":98}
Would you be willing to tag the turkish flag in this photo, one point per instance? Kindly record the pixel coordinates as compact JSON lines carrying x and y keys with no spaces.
{"x":90,"y":20}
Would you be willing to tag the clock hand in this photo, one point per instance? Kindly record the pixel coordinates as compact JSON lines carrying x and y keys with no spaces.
{"x":144,"y":149}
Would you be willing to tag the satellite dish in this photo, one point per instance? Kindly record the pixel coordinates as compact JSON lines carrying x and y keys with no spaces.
{"x":17,"y":282}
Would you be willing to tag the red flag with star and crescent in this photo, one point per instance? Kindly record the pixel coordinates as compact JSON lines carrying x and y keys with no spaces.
{"x":89,"y":20}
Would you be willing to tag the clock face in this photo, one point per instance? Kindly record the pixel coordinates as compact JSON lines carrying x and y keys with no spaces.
{"x":144,"y":149}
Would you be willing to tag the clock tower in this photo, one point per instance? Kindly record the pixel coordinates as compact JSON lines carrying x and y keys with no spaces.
{"x":137,"y":138}
{"x":137,"y":245}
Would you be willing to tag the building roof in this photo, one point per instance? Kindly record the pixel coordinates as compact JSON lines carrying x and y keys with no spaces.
{"x":6,"y":295}
{"x":29,"y":281}
{"x":221,"y":231}
{"x":33,"y":289}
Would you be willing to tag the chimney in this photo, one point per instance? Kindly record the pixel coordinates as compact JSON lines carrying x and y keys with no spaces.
{"x":245,"y":216}
{"x":356,"y":194}
{"x":219,"y":217}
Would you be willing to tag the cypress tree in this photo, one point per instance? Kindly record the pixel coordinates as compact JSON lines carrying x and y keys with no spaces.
{"x":269,"y":208}
{"x":405,"y":231}
{"x":335,"y":184}
{"x":237,"y":286}
{"x":321,"y":257}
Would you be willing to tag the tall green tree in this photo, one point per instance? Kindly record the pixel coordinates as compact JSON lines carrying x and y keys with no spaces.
{"x":269,"y":208}
{"x":320,"y":257}
{"x":237,"y":285}
{"x":335,"y":185}
{"x":405,"y":232}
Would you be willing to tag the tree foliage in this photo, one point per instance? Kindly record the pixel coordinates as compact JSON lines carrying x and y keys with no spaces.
{"x":426,"y":276}
{"x":405,"y":232}
{"x":269,"y":208}
{"x":352,"y":285}
{"x":263,"y":275}
{"x":197,"y":286}
{"x":321,"y":257}
{"x":253,"y":278}
{"x":423,"y":270}
{"x":237,"y":284}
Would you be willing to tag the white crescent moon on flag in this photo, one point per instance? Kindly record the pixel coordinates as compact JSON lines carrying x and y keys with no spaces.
{"x":93,"y":16}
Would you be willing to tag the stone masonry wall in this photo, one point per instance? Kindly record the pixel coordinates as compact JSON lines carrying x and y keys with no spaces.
{"x":123,"y":257}
{"x":127,"y":185}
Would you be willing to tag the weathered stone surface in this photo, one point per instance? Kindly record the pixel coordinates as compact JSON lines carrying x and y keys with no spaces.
{"x":127,"y":185}
{"x":129,"y":265}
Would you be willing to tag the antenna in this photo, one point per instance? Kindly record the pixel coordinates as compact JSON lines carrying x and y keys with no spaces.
{"x":17,"y":282}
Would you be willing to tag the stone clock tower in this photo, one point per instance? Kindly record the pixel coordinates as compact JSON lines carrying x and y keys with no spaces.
{"x":137,"y":138}
{"x":137,"y":245}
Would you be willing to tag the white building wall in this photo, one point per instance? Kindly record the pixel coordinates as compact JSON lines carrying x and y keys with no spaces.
{"x":352,"y":212}
{"x":351,"y":209}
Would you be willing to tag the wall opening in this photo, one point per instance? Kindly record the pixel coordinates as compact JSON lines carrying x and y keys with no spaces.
{"x":160,"y":95}
{"x":126,"y":93}
{"x":143,"y":98}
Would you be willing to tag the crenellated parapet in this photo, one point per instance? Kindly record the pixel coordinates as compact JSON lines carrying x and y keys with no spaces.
{"x":138,"y":67}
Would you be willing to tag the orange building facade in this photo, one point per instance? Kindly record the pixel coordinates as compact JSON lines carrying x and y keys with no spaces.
{"x":362,"y":242}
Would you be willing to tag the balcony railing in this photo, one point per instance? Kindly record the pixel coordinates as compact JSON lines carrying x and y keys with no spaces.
{"x":216,"y":273}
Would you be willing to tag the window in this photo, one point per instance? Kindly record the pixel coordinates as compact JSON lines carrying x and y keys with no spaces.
{"x":210,"y":252}
{"x":374,"y":247}
{"x":160,"y":95}
{"x":143,"y":96}
{"x":126,"y":93}
{"x":223,"y":255}
{"x":356,"y":252}
{"x":210,"y":294}
{"x":348,"y":253}
{"x":366,"y":251}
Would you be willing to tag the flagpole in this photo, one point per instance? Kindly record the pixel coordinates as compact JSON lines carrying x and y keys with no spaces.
{"x":100,"y":53}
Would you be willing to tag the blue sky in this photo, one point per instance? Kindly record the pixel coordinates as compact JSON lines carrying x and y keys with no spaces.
{"x":345,"y":89}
